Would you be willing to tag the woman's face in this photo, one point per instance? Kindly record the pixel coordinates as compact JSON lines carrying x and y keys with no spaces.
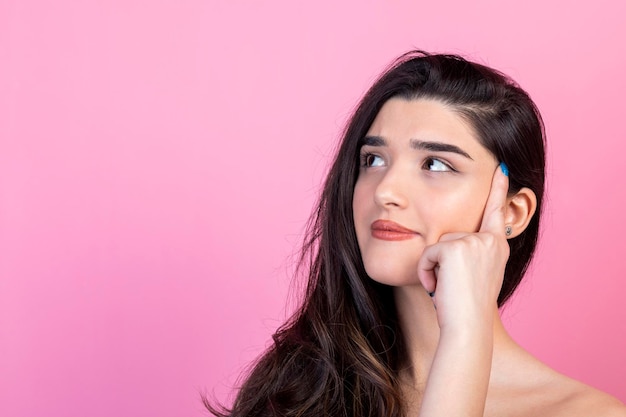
{"x":423,"y":174}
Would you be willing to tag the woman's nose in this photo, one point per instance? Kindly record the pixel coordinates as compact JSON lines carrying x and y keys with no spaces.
{"x":391,"y":191}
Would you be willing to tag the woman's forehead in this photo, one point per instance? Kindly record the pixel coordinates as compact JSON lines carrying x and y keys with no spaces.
{"x":401,"y":122}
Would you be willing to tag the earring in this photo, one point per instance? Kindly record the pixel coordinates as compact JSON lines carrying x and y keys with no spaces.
{"x":508,"y":230}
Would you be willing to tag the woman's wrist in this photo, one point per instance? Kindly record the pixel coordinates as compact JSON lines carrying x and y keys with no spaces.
{"x":468,"y":325}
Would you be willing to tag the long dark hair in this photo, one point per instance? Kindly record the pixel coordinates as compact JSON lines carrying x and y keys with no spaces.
{"x":340,"y":353}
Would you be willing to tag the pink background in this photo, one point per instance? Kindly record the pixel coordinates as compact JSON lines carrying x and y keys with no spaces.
{"x":158,"y":160}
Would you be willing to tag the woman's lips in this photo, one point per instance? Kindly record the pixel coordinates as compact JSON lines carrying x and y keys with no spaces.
{"x":388,"y":230}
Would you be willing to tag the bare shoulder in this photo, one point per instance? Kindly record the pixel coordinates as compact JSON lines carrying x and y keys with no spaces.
{"x":566,"y":397}
{"x":582,"y":400}
{"x":531,"y":388}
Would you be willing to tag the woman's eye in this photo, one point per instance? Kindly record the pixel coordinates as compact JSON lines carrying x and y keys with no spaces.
{"x":371,"y":160}
{"x":436,"y":165}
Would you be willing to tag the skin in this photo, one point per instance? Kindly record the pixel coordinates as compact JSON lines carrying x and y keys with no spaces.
{"x":456,"y":206}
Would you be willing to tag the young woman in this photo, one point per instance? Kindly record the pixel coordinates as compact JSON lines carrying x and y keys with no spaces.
{"x":426,"y":224}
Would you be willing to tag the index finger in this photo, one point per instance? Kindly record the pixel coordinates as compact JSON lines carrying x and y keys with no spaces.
{"x":493,"y":216}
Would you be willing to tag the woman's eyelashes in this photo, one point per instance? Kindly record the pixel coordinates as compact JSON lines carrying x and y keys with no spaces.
{"x":437,"y":165}
{"x":372,"y":160}
{"x":369,"y":160}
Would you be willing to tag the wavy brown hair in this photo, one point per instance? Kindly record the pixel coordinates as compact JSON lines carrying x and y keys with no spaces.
{"x":341,"y":352}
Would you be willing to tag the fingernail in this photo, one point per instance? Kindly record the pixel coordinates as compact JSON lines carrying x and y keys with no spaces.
{"x":504,"y":168}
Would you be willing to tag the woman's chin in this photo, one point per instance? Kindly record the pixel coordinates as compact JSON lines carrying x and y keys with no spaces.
{"x":394,"y":278}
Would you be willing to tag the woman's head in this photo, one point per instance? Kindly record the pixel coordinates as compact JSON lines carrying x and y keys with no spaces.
{"x":494,"y":109}
{"x":423,"y":175}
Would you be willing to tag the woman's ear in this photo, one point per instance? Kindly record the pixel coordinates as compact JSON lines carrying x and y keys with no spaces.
{"x":520,"y":208}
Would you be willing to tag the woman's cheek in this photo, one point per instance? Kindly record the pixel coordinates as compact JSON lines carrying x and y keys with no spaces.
{"x":453,"y":212}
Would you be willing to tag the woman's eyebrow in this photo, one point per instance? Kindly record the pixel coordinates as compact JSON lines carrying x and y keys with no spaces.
{"x":438,"y":147}
{"x":417,"y":144}
{"x":372,"y":141}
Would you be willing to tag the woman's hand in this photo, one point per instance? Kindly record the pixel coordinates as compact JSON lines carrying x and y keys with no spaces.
{"x":465,"y":270}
